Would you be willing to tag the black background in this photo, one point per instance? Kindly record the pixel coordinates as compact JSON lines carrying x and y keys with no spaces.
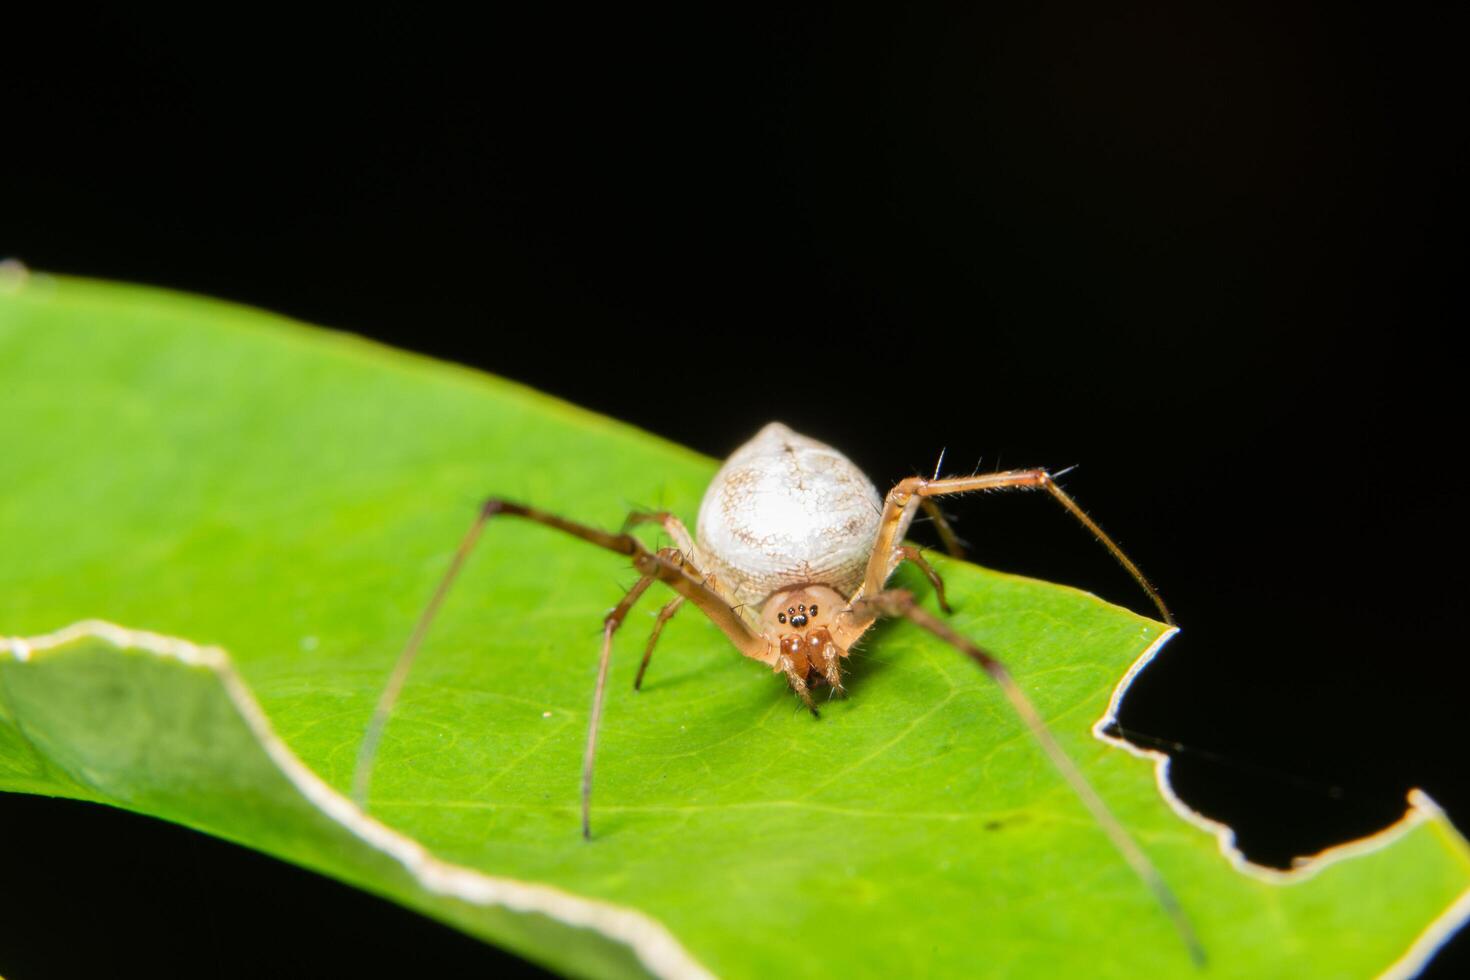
{"x":1204,"y":253}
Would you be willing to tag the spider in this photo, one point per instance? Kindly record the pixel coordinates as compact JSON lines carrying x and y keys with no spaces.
{"x":793,"y":552}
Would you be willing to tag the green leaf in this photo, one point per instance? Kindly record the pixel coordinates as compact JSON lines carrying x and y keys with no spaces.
{"x":230,"y":479}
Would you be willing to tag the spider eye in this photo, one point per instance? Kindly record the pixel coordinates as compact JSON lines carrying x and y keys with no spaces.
{"x":802,"y":607}
{"x":780,"y":617}
{"x":814,"y":610}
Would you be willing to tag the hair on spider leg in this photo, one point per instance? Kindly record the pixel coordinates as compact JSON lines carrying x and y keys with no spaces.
{"x":939,"y":464}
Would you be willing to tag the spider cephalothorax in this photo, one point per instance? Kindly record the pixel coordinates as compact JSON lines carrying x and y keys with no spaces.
{"x":798,"y":623}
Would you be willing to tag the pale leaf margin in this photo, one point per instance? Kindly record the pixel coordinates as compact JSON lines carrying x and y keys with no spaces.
{"x":649,"y":940}
{"x":1421,"y":809}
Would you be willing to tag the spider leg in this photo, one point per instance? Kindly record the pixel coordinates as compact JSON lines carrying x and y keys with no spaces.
{"x":896,"y":602}
{"x":661,"y":566}
{"x":833,"y":671}
{"x":610,"y":624}
{"x":672,"y":526}
{"x":908,"y":495}
{"x":912,"y":554}
{"x":664,"y":615}
{"x":798,"y":684}
{"x":667,"y":613}
{"x":941,"y":524}
{"x":670,"y":567}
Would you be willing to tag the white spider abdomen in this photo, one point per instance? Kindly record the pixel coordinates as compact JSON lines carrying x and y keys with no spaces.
{"x":786,"y":510}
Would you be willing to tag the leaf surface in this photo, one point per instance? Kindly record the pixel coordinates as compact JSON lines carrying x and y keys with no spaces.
{"x":290,"y":496}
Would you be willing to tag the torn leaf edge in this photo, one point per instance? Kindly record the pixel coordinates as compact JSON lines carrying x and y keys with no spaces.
{"x":1421,"y":809}
{"x":651,"y":941}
